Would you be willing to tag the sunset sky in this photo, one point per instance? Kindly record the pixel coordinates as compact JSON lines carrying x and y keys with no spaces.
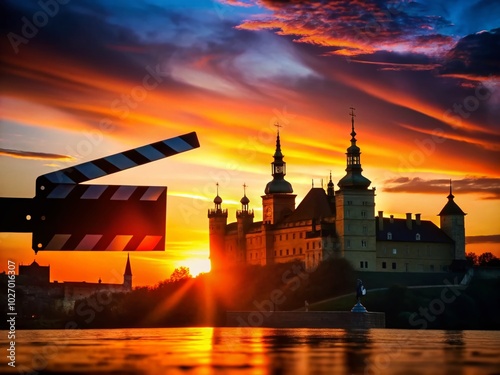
{"x":85,"y":79}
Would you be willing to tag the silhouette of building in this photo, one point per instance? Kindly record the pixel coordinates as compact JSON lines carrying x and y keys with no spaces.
{"x":334,"y":224}
{"x":39,"y":293}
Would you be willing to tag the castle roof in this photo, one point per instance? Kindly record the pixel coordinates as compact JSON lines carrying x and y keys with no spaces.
{"x":428,"y":231}
{"x":314,"y":205}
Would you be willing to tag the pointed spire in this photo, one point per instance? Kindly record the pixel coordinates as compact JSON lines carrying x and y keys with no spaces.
{"x":329,"y":190}
{"x":353,"y":179}
{"x":353,"y":133}
{"x":278,"y":170}
{"x":217,"y":199}
{"x":451,"y":208}
{"x":128,"y":269}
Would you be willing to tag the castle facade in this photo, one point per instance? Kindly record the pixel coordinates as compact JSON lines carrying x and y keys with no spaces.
{"x":337,"y":223}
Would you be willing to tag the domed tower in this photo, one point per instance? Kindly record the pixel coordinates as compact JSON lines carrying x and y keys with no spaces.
{"x":452,"y":222}
{"x":355,"y":211}
{"x":244,"y":218}
{"x":217,"y":221}
{"x":279,"y":200}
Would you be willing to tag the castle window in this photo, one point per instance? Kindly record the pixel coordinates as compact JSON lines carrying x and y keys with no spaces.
{"x":389,"y":235}
{"x":384,"y":265}
{"x":417,"y":236}
{"x":281,"y":252}
{"x":363,"y":243}
{"x":287,"y":252}
{"x":366,"y":264}
{"x":300,"y":250}
{"x":393,"y":266}
{"x":348,"y":213}
{"x":363,"y":213}
{"x":293,"y":236}
{"x":349,"y":203}
{"x":394,"y":251}
{"x":365,"y":229}
{"x":361,"y":264}
{"x":294,"y":251}
{"x":348,"y":243}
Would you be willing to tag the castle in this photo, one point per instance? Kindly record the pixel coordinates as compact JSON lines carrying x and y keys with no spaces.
{"x":334,"y":224}
{"x":39,"y":293}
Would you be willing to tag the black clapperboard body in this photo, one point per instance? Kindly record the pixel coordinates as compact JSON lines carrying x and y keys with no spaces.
{"x":68,"y":215}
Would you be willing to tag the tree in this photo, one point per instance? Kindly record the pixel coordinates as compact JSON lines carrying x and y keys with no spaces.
{"x":487,"y":260}
{"x":472,"y":259}
{"x":180,"y":273}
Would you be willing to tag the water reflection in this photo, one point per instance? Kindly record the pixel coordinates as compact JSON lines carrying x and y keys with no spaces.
{"x":252,"y":351}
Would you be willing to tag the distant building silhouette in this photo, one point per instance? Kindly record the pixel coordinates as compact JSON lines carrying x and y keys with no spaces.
{"x":334,"y":224}
{"x":39,"y":293}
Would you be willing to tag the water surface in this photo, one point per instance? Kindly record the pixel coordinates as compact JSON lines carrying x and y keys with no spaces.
{"x":249,"y":351}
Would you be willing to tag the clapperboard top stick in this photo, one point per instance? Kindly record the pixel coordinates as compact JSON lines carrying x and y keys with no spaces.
{"x":117,"y":162}
{"x":68,"y":215}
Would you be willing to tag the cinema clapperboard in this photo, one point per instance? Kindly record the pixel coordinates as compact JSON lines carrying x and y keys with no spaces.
{"x":69,"y":215}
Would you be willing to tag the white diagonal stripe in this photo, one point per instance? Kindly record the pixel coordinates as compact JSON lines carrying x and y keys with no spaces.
{"x":90,"y":170}
{"x":119,"y":242}
{"x":178,"y":144}
{"x":120,"y":161}
{"x":123,"y":193}
{"x":57,"y":241}
{"x":59,"y":177}
{"x":88,"y":242}
{"x":153,"y":193}
{"x":94,"y":191}
{"x":61,"y":191}
{"x":150,"y":152}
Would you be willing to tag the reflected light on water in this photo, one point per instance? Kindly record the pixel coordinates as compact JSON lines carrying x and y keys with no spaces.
{"x":252,"y":351}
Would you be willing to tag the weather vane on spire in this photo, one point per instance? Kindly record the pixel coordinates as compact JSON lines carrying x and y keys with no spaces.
{"x":245,"y":188}
{"x":217,"y":187}
{"x":353,"y":133}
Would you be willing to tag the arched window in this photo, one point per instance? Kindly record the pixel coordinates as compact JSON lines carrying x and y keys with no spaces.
{"x":389,"y":235}
{"x":417,"y":236}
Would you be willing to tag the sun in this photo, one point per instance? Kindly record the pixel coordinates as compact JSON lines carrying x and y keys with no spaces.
{"x":197,"y":266}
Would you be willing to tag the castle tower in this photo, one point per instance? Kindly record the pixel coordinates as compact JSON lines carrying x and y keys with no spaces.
{"x":279,"y":200}
{"x":452,"y":222}
{"x":355,"y":211}
{"x":217,"y":219}
{"x":127,"y":276}
{"x":244,"y":219}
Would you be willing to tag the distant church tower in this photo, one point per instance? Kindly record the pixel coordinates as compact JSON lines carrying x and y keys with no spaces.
{"x":127,"y":276}
{"x":279,"y":200}
{"x":452,"y":220}
{"x":355,"y":211}
{"x":244,"y":219}
{"x":217,"y":219}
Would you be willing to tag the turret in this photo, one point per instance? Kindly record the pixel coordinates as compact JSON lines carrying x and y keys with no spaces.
{"x":244,"y":218}
{"x":452,"y":222}
{"x":279,"y":200}
{"x":217,"y":219}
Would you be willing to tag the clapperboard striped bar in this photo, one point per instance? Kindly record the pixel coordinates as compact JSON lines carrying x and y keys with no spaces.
{"x":117,"y":162}
{"x":69,"y":215}
{"x":102,"y":217}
